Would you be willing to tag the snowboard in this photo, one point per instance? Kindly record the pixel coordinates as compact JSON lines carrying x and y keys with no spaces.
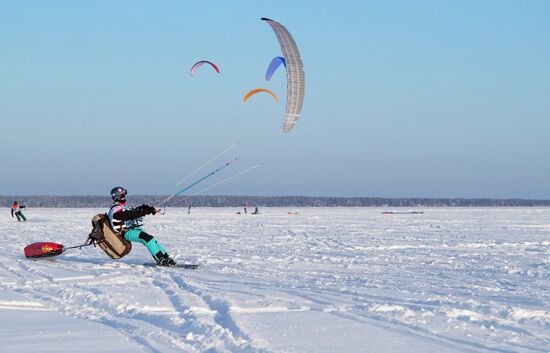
{"x":184,"y":266}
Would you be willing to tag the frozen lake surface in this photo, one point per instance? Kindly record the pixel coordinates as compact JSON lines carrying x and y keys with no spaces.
{"x":324,"y":280}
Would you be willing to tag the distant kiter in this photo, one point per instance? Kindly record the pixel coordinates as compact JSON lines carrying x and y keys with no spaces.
{"x":16,"y":210}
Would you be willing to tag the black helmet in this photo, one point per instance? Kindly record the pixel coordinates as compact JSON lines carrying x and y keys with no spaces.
{"x":118,"y":194}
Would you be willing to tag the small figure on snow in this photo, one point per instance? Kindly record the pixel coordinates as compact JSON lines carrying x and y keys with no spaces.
{"x":189,"y":209}
{"x":16,"y":210}
{"x":128,"y":221}
{"x":256,"y":211}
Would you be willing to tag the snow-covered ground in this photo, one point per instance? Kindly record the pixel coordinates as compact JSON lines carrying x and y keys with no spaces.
{"x":324,"y":280}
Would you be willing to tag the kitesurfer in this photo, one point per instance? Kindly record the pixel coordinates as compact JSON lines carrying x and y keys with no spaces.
{"x":128,"y":221}
{"x":16,"y":210}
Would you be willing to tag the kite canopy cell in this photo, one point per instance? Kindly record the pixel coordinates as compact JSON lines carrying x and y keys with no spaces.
{"x":295,"y":78}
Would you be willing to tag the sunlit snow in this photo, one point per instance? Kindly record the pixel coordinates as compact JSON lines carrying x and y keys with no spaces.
{"x":322,"y":280}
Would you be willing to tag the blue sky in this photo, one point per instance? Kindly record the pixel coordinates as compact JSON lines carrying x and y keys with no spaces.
{"x":403,"y":99}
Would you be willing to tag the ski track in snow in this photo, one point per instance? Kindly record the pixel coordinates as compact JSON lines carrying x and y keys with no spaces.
{"x":457,"y":279}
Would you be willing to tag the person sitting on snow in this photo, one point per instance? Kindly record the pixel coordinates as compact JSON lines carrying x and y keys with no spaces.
{"x":128,"y":221}
{"x":16,"y":210}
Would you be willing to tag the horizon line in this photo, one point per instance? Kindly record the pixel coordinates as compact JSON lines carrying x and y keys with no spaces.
{"x":302,"y":196}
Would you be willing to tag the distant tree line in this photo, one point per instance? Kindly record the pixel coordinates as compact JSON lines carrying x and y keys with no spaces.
{"x":268,"y":201}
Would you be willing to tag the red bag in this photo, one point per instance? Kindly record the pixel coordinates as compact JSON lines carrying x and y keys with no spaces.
{"x":43,"y":249}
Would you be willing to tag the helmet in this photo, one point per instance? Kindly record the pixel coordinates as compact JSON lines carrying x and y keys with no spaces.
{"x":118,"y":194}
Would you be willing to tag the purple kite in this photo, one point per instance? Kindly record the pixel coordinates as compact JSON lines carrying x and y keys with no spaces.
{"x":275,"y":63}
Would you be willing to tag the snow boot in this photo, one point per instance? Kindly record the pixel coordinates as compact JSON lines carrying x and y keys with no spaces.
{"x":166,"y":260}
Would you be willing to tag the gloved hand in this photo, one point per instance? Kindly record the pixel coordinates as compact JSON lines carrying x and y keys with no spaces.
{"x":151,"y":210}
{"x":148,"y":209}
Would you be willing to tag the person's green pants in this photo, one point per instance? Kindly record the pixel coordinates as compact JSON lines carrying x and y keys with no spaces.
{"x":20,"y":216}
{"x":139,"y":236}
